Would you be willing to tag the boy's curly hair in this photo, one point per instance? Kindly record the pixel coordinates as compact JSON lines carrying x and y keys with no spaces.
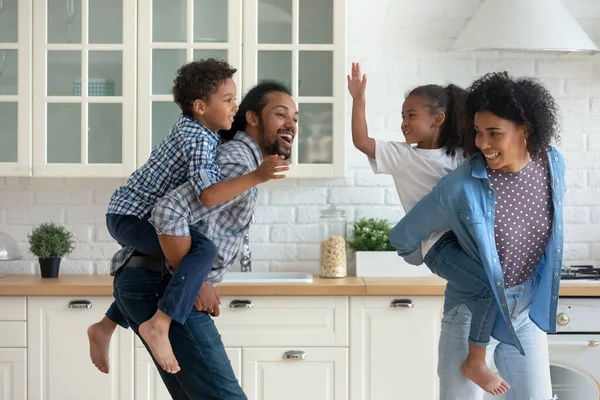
{"x":197,"y":80}
{"x":450,"y":99}
{"x":524,"y":101}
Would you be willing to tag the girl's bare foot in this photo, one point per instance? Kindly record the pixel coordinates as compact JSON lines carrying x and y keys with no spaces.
{"x":155,"y":333}
{"x":99,"y":335}
{"x":484,"y":377}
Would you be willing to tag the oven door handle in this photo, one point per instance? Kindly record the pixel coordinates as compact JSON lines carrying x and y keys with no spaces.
{"x":590,"y":343}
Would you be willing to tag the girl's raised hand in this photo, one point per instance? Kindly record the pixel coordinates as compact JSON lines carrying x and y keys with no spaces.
{"x":356,"y":82}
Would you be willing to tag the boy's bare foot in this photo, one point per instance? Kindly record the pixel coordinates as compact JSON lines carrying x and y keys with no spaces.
{"x":484,"y":377}
{"x":99,"y":335}
{"x":155,"y":333}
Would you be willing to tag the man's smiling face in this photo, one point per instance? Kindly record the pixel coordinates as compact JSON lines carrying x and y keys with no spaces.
{"x":278,"y":123}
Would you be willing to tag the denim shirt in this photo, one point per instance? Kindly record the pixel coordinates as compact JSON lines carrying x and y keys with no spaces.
{"x":464,"y":202}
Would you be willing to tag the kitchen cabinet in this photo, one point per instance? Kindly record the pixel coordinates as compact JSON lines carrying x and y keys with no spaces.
{"x":59,"y":366}
{"x":15,"y":88}
{"x":85,"y":85}
{"x":393,"y":347}
{"x":13,"y":351}
{"x":293,"y":347}
{"x":295,"y":374}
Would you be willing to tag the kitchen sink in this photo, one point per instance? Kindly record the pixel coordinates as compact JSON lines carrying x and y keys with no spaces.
{"x":268,"y":277}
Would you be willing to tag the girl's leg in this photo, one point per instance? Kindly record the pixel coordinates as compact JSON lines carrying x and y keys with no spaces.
{"x":447,"y":259}
{"x":453,"y":350}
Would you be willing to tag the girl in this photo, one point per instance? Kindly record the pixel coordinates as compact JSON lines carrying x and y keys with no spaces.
{"x":504,"y":208}
{"x":433,"y":124}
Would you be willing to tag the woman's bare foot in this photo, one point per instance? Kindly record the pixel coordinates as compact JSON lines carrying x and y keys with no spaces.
{"x":99,"y":335}
{"x":484,"y":377}
{"x":155,"y":333}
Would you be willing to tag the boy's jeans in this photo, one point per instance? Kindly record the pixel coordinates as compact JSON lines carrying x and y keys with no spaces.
{"x":528,"y":376}
{"x":183,"y":288}
{"x":448,"y":260}
{"x":206,"y":371}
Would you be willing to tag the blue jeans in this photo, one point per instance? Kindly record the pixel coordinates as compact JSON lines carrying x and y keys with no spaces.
{"x":206,"y":371}
{"x":183,"y":289}
{"x":470,"y":285}
{"x":528,"y":376}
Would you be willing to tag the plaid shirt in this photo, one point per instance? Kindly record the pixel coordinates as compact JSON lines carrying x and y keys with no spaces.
{"x":225,"y":224}
{"x":186,"y":154}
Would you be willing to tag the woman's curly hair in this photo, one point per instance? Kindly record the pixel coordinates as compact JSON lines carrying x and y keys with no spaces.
{"x":524,"y":101}
{"x":197,"y":80}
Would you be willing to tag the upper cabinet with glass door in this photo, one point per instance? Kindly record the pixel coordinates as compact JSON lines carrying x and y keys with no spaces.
{"x":83,"y":98}
{"x":302,"y":44}
{"x":171,"y":34}
{"x":15,"y":87}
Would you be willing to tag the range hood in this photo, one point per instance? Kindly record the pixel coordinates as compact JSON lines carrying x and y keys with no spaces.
{"x":524,"y":25}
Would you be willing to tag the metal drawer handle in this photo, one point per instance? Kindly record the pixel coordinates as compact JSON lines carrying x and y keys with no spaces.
{"x":593,"y":343}
{"x":241,"y":304}
{"x":80,"y":304}
{"x":294,"y":355}
{"x":405,"y":303}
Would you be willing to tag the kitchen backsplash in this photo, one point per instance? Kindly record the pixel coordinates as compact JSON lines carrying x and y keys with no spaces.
{"x":400,"y":44}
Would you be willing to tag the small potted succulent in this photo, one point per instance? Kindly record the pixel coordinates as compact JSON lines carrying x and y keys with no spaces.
{"x":50,"y":242}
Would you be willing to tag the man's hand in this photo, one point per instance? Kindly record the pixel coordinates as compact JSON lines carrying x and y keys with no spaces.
{"x":208,"y":300}
{"x":272,"y":168}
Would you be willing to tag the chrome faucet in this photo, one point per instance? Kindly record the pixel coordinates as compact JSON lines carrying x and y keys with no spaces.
{"x":246,"y":260}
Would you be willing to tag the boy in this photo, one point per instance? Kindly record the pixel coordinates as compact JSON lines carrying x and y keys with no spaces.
{"x":205,"y":92}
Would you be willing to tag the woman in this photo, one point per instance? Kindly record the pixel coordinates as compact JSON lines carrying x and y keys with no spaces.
{"x":504,"y":208}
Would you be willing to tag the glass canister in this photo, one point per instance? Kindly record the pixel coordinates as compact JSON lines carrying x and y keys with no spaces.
{"x":332,"y":224}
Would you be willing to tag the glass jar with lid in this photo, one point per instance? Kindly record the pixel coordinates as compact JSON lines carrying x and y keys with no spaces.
{"x":332,"y":225}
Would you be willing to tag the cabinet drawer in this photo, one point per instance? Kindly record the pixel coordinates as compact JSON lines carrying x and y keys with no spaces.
{"x":13,"y":334}
{"x":284,"y":321}
{"x":13,"y":308}
{"x":266,"y":321}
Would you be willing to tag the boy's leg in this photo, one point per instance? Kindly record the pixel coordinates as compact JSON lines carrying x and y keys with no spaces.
{"x":447,"y":259}
{"x":188,"y":277}
{"x":127,"y":230}
{"x":191,"y":269}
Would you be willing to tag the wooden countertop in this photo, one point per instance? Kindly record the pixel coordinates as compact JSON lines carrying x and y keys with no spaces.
{"x":101,"y":285}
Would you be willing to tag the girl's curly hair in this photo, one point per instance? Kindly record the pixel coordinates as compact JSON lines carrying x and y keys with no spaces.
{"x":197,"y":80}
{"x":450,"y":99}
{"x":524,"y":101}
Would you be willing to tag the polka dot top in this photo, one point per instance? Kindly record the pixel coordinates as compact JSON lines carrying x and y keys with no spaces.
{"x":523,"y":219}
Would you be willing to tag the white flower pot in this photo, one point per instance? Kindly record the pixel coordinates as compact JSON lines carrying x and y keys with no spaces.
{"x":386,"y":263}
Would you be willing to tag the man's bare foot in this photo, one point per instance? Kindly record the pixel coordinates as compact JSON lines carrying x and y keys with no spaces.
{"x":99,"y":335}
{"x":156,"y":336}
{"x":484,"y":377}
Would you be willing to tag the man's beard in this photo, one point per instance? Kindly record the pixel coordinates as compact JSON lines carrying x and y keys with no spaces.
{"x":272,"y":147}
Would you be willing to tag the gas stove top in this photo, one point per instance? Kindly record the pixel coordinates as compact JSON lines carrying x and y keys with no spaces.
{"x":580,"y":273}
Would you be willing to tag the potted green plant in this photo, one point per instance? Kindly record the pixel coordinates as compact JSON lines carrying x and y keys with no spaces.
{"x":50,"y":242}
{"x":375,"y":256}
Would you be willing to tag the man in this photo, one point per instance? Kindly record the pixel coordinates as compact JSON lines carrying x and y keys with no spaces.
{"x":265,"y":124}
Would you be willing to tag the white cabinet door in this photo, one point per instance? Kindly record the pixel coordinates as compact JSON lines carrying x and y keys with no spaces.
{"x":84,"y":69}
{"x":171,"y":34}
{"x":13,"y":374}
{"x":15,"y":88}
{"x":149,"y":385}
{"x":393,"y":347}
{"x":302,"y":44}
{"x":295,"y":373}
{"x":58,"y":352}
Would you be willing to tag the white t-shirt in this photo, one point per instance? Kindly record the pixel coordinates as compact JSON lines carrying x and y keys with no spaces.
{"x":415,"y":172}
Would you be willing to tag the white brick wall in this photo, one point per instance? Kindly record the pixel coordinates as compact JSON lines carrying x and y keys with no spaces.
{"x":400,"y":44}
